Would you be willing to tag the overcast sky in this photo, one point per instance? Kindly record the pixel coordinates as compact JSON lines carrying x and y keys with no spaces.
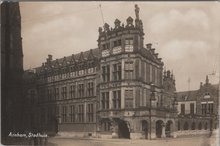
{"x":185,"y":34}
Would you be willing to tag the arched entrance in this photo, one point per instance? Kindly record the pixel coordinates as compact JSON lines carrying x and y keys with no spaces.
{"x":159,"y":128}
{"x":123,"y":130}
{"x":145,"y":128}
{"x":169,"y":129}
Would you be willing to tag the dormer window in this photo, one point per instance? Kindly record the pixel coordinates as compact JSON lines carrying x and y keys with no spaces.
{"x":129,"y":44}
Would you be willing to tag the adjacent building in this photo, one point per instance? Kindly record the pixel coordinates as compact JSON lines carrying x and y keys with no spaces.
{"x":198,"y":109}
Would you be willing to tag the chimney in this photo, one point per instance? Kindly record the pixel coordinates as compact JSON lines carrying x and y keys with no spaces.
{"x":50,"y":57}
{"x":149,"y":45}
{"x":200,"y":84}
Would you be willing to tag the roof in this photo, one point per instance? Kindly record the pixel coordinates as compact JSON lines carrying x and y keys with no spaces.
{"x":74,"y":58}
{"x":187,"y":95}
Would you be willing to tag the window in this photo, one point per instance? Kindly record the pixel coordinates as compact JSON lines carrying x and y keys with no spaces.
{"x":106,"y":73}
{"x":81,"y":113}
{"x":105,"y":100}
{"x":72,"y":113}
{"x":116,"y":72}
{"x":129,"y":44}
{"x":129,"y":70}
{"x":64,"y":93}
{"x":207,"y":95}
{"x":117,"y":43}
{"x":204,"y":109}
{"x":128,"y":98}
{"x":81,"y":90}
{"x":182,"y":109}
{"x":90,"y":89}
{"x":116,"y":99}
{"x":105,"y":46}
{"x":191,"y":108}
{"x":117,"y":47}
{"x":72,"y":91}
{"x":90,"y":113}
{"x":210,"y":108}
{"x":64,"y":117}
{"x":57,"y":93}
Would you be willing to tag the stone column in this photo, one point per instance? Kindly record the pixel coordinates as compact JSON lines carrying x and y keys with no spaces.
{"x":153,"y":130}
{"x":163,"y":131}
{"x":114,"y":129}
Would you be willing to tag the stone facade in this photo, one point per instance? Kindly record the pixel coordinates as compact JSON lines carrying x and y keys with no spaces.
{"x":118,"y":90}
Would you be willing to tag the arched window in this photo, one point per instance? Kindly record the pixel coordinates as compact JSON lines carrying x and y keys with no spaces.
{"x":178,"y":125}
{"x":200,"y":126}
{"x":193,"y":126}
{"x":206,"y":126}
{"x":186,"y":126}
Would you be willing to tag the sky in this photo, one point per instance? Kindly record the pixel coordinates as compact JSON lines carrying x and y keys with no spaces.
{"x":185,"y":34}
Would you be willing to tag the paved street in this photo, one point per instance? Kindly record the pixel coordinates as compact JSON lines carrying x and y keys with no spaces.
{"x":186,"y":141}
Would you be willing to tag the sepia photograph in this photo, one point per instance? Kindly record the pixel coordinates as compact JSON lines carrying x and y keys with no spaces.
{"x":103,"y":73}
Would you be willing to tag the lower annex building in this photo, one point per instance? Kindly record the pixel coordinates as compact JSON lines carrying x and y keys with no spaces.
{"x":118,"y":90}
{"x":198,"y":110}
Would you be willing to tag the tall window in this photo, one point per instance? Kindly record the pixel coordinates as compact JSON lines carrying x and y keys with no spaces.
{"x":72,"y":113}
{"x":72,"y":91}
{"x":81,"y":90}
{"x":129,"y":70}
{"x":182,"y":109}
{"x":129,"y":44}
{"x":57,"y":93}
{"x":64,"y":112}
{"x":116,"y":99}
{"x":128,"y":98}
{"x":90,"y":112}
{"x":90,"y":89}
{"x":106,"y":73}
{"x":105,"y":100}
{"x":117,"y":72}
{"x":191,"y":108}
{"x":210,"y":108}
{"x":81,"y":113}
{"x":64,"y":93}
{"x":204,"y":109}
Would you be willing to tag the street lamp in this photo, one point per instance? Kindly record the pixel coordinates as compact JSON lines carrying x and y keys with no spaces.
{"x":152,"y":98}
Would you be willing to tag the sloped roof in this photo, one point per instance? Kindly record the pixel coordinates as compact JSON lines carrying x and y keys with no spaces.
{"x":187,"y":95}
{"x":149,"y":55}
{"x":66,"y":60}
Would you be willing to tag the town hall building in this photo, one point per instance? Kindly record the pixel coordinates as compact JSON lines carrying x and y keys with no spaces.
{"x":117,"y":90}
